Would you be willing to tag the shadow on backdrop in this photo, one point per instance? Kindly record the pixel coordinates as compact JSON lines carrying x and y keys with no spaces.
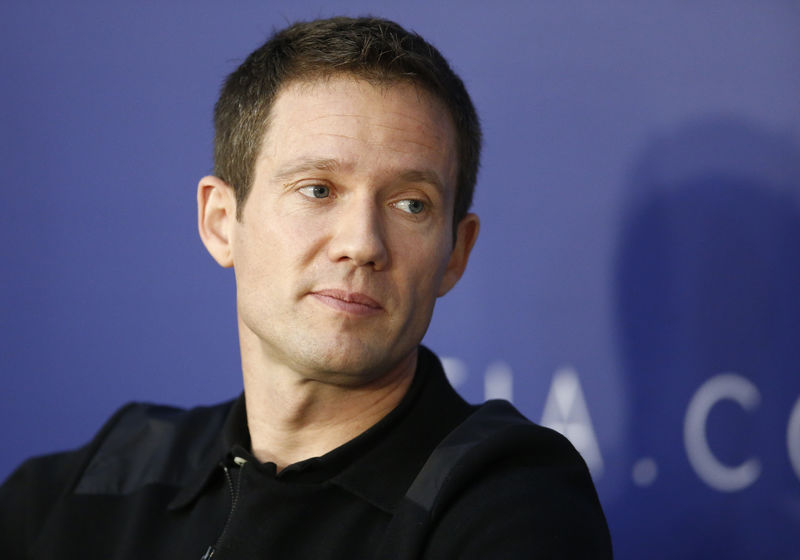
{"x":708,"y":298}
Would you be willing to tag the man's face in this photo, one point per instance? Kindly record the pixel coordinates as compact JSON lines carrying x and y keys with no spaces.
{"x":345,"y":241}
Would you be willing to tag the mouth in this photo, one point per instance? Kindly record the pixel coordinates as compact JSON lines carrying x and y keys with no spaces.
{"x":353,"y":303}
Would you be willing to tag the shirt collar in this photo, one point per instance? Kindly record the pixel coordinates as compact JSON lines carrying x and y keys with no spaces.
{"x":234,"y":434}
{"x":378,"y":465}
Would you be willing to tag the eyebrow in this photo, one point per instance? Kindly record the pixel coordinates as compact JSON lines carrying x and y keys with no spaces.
{"x":304,"y":165}
{"x":423,"y":176}
{"x":329,"y":164}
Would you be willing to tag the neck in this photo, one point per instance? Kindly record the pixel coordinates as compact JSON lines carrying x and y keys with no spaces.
{"x":292,"y":417}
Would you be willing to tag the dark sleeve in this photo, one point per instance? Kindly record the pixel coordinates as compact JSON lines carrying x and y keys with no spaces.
{"x":540,"y":506}
{"x":28,"y":496}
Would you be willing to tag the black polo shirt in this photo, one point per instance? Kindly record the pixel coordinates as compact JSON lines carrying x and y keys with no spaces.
{"x":159,"y":482}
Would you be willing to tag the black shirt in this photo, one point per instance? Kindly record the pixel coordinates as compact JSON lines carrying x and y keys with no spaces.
{"x":159,"y":482}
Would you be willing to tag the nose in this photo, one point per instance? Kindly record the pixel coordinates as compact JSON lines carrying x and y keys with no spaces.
{"x":359,"y":235}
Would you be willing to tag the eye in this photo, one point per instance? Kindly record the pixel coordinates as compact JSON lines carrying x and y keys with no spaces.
{"x":411,"y":206}
{"x":315,"y":191}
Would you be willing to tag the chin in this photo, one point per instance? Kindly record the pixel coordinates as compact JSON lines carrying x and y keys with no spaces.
{"x":351,"y":364}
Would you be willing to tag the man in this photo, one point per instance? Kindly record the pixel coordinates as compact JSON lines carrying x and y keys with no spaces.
{"x":346,"y":153}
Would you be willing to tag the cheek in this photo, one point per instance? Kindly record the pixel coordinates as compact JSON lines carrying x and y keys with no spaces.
{"x":278,"y":245}
{"x":256,"y":258}
{"x":424,"y":263}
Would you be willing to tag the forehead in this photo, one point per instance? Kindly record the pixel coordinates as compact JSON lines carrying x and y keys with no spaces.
{"x":353,"y":118}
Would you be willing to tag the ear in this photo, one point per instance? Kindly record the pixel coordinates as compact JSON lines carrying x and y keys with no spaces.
{"x":216,"y":215}
{"x":466,"y":235}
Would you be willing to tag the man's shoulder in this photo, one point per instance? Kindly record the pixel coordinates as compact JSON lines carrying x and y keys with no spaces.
{"x":495,"y":434}
{"x":145,"y":443}
{"x":139,"y":443}
{"x":499,"y":486}
{"x":135,"y":444}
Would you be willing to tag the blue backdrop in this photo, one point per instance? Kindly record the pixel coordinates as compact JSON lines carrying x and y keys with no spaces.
{"x":636,"y":283}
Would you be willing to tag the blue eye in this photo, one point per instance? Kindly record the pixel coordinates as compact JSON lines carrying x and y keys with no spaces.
{"x":410,"y":206}
{"x":315,"y":191}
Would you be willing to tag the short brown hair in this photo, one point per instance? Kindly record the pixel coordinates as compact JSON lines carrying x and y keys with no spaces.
{"x":374,"y":49}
